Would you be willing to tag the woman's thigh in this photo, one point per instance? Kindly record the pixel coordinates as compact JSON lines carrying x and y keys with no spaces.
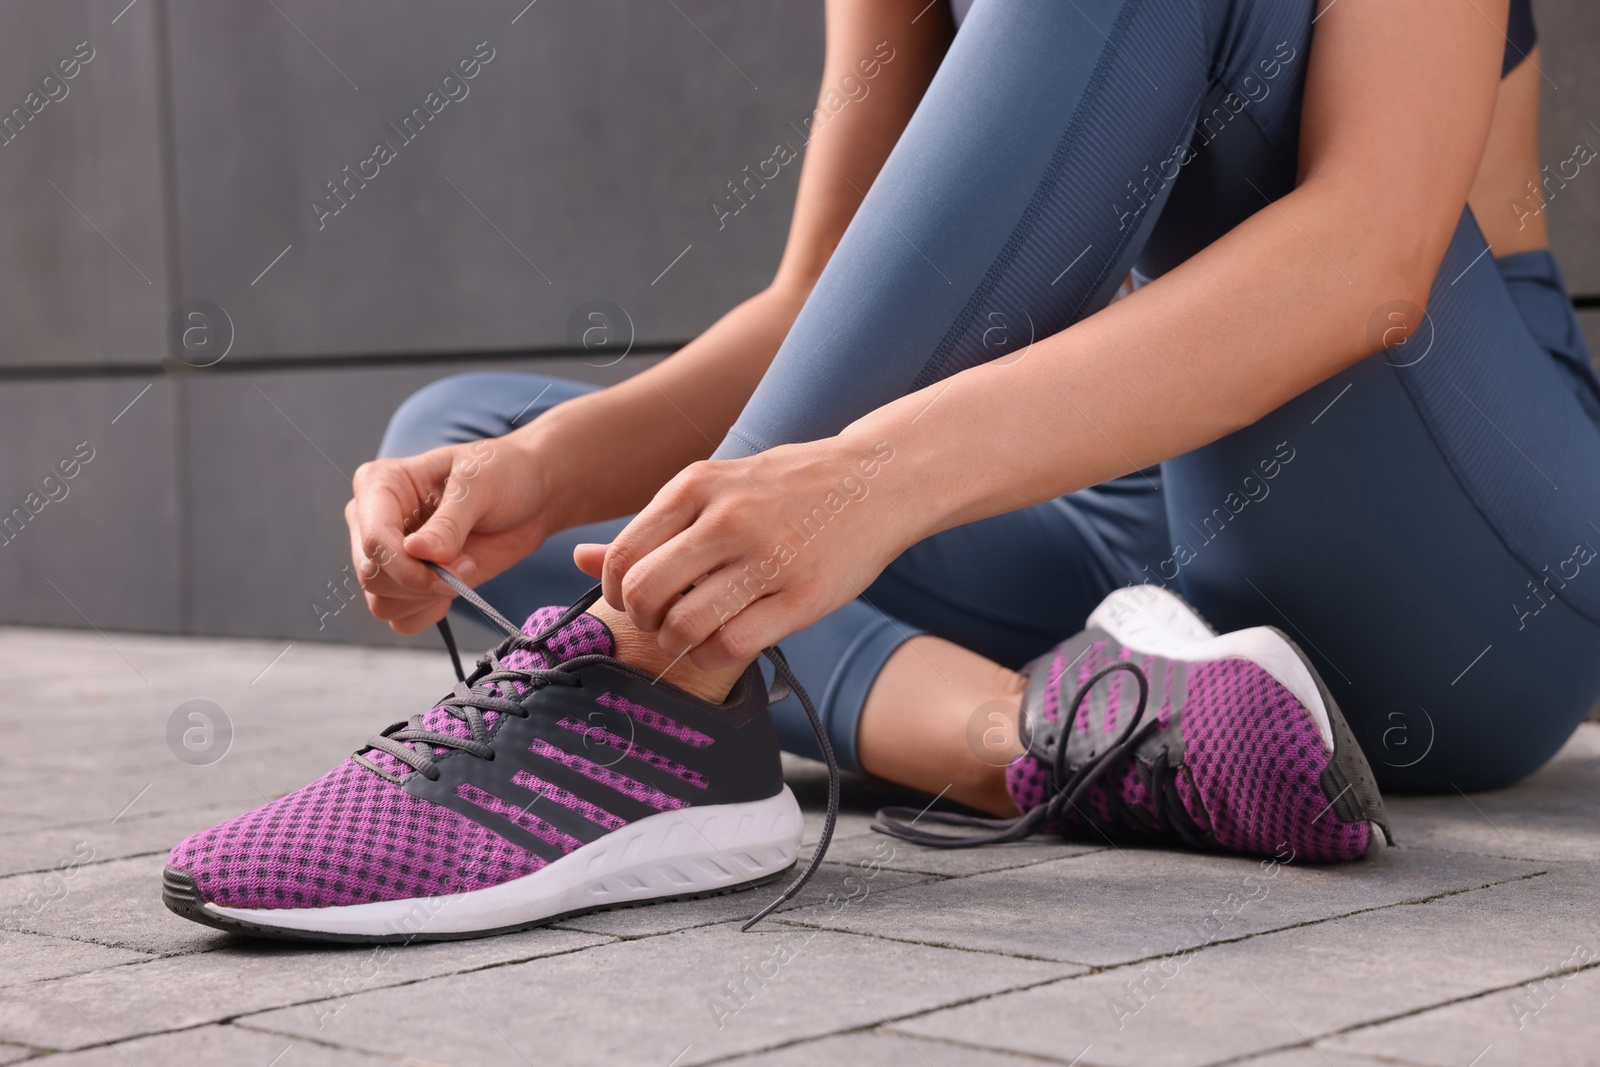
{"x":1030,"y":179}
{"x":1012,"y":586}
{"x":1425,"y":525}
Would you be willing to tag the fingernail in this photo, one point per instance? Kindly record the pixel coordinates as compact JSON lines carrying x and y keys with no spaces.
{"x":465,"y":569}
{"x":443,"y":590}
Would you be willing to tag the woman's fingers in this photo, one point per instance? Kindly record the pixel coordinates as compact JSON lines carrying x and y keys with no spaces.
{"x":674,"y":508}
{"x":590,"y":558}
{"x":418,"y":619}
{"x":443,"y":536}
{"x":758,"y":625}
{"x":391,"y":499}
{"x":659,"y":581}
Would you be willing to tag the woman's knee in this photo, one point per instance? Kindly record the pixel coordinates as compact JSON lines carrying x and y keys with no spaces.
{"x":470,"y":407}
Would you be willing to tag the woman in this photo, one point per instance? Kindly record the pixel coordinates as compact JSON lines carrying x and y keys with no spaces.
{"x":1346,"y":399}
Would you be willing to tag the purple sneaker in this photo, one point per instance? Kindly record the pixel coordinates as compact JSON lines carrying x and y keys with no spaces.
{"x":554,"y":780}
{"x":1179,"y":735}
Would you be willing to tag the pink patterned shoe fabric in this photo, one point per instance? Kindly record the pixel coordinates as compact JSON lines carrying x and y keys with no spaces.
{"x":1233,"y":760}
{"x":355,"y":836}
{"x":583,"y":636}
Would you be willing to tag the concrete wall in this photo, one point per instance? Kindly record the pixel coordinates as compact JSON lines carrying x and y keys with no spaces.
{"x":181,"y":166}
{"x":578,"y":166}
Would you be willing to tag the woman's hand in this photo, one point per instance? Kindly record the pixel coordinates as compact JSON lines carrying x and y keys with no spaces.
{"x":474,"y":509}
{"x":770,"y":544}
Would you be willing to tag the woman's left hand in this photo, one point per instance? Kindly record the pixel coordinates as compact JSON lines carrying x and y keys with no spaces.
{"x":733,"y":555}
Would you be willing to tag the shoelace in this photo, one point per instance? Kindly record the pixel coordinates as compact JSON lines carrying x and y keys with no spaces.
{"x":1069,"y":786}
{"x":411,"y":744}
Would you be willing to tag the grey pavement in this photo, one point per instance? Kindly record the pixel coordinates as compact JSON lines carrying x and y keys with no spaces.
{"x":1474,"y":942}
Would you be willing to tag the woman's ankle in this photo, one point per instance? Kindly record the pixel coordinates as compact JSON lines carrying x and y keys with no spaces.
{"x":639,"y":649}
{"x":943,"y":720}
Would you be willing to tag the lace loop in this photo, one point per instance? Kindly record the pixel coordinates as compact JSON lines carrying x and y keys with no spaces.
{"x":483,"y":691}
{"x":1070,"y":785}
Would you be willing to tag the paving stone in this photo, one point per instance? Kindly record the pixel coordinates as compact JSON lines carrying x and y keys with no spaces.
{"x":849,"y":885}
{"x":1550,"y":815}
{"x":140,"y":999}
{"x":38,"y":851}
{"x":312,"y":707}
{"x":854,"y":842}
{"x":31,"y":957}
{"x":116,"y":903}
{"x":1334,"y":980}
{"x":1553,"y":1020}
{"x":671,"y":999}
{"x":874,"y":849}
{"x":884,"y":1047}
{"x":849,"y":824}
{"x":1318,"y":1057}
{"x":1117,"y":905}
{"x":206,"y":1046}
{"x":1297,"y":985}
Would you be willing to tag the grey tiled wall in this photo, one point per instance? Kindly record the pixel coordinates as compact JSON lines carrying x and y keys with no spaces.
{"x":1569,"y":37}
{"x":576,"y":164}
{"x":182,"y":165}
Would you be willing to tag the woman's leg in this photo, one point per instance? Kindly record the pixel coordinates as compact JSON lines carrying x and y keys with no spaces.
{"x":1070,"y":556}
{"x":1434,"y":541}
{"x":1008,"y":587}
{"x":1023,"y":190}
{"x":1028,"y":183}
{"x":1413,"y":547}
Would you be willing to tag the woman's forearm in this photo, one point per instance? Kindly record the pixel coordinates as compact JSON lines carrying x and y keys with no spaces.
{"x":617,"y":446}
{"x":1276,"y":306}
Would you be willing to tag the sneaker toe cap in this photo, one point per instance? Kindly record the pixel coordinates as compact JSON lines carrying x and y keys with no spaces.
{"x":348,"y":838}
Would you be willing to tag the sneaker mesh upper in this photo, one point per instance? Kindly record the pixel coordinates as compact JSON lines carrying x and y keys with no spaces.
{"x":352,"y":837}
{"x":1251,"y":765}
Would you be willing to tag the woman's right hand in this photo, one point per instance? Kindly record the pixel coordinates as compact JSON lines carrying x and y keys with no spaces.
{"x":475,"y":509}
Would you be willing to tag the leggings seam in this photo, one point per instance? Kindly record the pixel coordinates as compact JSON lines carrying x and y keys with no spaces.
{"x":1058,"y":159}
{"x":1512,"y":547}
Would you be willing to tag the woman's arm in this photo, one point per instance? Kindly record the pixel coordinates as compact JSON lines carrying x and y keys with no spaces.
{"x":1396,"y":111}
{"x":605,"y":454}
{"x":1397,"y":106}
{"x":642,"y":431}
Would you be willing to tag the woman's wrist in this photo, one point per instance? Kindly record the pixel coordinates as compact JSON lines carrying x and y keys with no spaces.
{"x":536,"y":451}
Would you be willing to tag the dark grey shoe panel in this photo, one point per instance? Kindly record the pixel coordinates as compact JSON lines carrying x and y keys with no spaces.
{"x":694,"y":752}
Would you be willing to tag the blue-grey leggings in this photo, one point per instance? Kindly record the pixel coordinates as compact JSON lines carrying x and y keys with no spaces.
{"x":1424,"y":524}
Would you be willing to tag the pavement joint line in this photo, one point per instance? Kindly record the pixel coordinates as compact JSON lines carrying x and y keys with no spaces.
{"x":1259,"y":1054}
{"x":93,"y":1026}
{"x":234,"y":1020}
{"x":319,"y":1042}
{"x":83,"y":866}
{"x":1451,"y":1002}
{"x":897,"y":1031}
{"x":875,"y":936}
{"x":1291,"y":1024}
{"x":1102,"y":968}
{"x":865,"y":1028}
{"x":958,"y":1043}
{"x":717,"y":921}
{"x":1021,"y":1054}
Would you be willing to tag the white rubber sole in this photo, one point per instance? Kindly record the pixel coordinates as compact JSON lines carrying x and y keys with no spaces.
{"x":689,"y":852}
{"x":1152,"y":619}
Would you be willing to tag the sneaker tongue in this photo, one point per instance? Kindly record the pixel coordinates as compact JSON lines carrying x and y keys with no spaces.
{"x":583,"y":636}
